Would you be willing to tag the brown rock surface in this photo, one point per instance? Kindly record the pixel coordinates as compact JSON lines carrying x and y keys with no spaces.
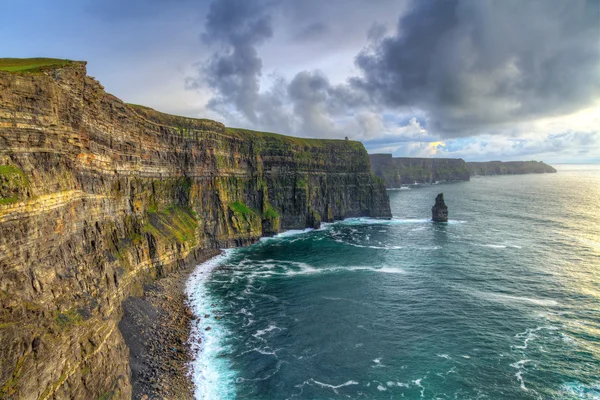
{"x":99,"y":198}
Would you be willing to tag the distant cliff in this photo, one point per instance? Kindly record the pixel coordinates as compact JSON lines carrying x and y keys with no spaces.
{"x":397,"y":171}
{"x":405,"y":170}
{"x":509,"y":168}
{"x":98,"y":197}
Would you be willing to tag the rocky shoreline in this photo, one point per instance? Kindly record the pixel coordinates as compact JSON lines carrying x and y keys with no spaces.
{"x":156,"y":328}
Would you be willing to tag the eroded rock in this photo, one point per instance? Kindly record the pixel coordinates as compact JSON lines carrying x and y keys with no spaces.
{"x":439,"y":212}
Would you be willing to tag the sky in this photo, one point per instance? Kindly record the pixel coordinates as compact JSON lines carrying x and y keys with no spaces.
{"x":476,"y":79}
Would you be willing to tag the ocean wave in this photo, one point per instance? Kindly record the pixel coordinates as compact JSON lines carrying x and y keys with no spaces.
{"x":581,"y":391}
{"x":262,"y":332}
{"x":530,"y":335}
{"x":392,"y":221}
{"x":211,"y":374}
{"x":506,"y":298}
{"x":273,"y":268}
{"x":520,"y":366}
{"x":327,"y":385}
{"x":417,"y":382}
{"x":368,"y":246}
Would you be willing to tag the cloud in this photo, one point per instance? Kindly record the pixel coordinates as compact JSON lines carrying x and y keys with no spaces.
{"x":235,"y":28}
{"x":311,"y":32}
{"x":506,"y":74}
{"x":473,"y":64}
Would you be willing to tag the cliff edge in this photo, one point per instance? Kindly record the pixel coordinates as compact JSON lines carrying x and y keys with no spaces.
{"x":98,"y":198}
{"x":398,"y":171}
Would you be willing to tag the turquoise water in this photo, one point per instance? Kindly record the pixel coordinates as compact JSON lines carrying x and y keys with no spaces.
{"x":503,"y":302}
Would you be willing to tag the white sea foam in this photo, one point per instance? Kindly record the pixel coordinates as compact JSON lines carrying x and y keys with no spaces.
{"x":212,"y":376}
{"x":327,"y":385}
{"x":578,"y":390}
{"x":501,"y":297}
{"x":381,"y":388}
{"x":446,"y":356}
{"x":369,"y":246}
{"x":294,"y":268}
{"x":530,"y":335}
{"x":262,"y":332}
{"x":417,"y":382}
{"x":520,"y":365}
{"x":399,"y":188}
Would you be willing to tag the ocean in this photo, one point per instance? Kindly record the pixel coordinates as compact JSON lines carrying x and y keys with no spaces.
{"x":501,"y":302}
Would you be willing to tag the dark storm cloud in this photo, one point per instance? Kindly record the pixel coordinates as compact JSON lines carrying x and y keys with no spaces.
{"x":235,"y":28}
{"x":468,"y":66}
{"x":474,"y":63}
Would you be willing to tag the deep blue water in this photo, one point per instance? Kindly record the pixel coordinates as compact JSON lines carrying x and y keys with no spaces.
{"x":503,"y":302}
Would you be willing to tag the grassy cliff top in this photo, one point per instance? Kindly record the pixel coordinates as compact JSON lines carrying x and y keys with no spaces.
{"x":307,"y":142}
{"x":34,"y":65}
{"x":175,"y":121}
{"x":31,"y":64}
{"x":197,"y":123}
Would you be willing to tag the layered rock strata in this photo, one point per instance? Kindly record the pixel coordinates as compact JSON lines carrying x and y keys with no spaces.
{"x":98,"y":198}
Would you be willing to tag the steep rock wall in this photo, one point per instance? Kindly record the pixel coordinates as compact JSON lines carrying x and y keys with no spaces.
{"x":98,"y":197}
{"x":509,"y":168}
{"x":407,"y":170}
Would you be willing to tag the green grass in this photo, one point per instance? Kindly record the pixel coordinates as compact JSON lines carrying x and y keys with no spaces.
{"x":31,"y":64}
{"x":12,"y":181}
{"x":175,"y":223}
{"x":9,"y":170}
{"x":240,"y":208}
{"x":304,"y":142}
{"x":8,"y":200}
{"x":270,"y":213}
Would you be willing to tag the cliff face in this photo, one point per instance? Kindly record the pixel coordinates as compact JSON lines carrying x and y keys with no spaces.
{"x":98,"y":197}
{"x":509,"y":168}
{"x":406,"y":170}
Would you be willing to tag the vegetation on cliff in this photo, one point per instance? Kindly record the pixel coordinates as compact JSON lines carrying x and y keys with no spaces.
{"x":13,"y":184}
{"x":99,"y":198}
{"x":31,"y":64}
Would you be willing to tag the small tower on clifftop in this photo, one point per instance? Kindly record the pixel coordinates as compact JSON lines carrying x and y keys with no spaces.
{"x":439,"y":212}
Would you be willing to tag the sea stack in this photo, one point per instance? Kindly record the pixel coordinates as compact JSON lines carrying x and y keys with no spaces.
{"x":439,"y":212}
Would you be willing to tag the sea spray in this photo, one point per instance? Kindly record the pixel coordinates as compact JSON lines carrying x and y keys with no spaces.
{"x":212,"y":375}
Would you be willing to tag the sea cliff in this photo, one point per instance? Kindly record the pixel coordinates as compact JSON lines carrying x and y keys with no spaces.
{"x":397,"y":171}
{"x":98,"y":198}
{"x":509,"y":168}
